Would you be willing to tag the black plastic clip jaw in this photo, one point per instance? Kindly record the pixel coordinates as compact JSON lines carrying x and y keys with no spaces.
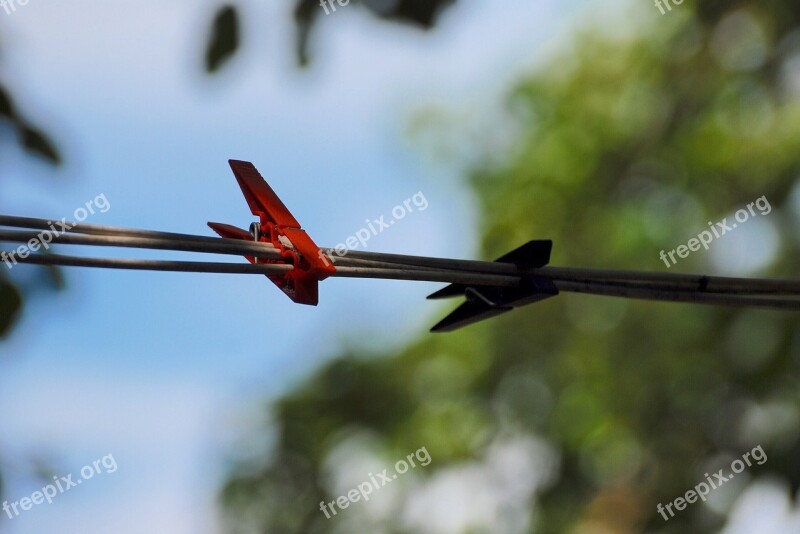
{"x":484,"y":302}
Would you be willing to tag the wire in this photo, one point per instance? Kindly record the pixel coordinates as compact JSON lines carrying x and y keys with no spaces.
{"x":360,"y":264}
{"x":676,"y":295}
{"x":212,"y":245}
{"x":157,"y":265}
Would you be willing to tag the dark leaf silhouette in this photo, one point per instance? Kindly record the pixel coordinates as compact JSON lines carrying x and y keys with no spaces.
{"x":39,"y":144}
{"x":420,"y":13}
{"x":10,"y":306}
{"x":224,"y":40}
{"x":6,"y":104}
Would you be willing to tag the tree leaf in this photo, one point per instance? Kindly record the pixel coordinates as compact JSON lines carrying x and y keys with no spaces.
{"x":224,"y":41}
{"x":10,"y":306}
{"x":36,"y":142}
{"x":6,"y":104}
{"x":420,"y":13}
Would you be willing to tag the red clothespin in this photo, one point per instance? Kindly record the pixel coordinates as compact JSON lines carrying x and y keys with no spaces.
{"x":278,"y":226}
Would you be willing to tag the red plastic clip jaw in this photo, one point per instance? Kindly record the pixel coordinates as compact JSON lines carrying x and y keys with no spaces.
{"x":278,"y":226}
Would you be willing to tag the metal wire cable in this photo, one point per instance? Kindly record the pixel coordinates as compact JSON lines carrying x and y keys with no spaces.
{"x":360,"y":264}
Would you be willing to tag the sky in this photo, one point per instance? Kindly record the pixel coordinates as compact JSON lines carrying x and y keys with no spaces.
{"x":168,"y":372}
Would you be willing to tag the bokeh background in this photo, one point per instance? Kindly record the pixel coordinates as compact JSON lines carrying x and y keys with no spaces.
{"x":606,"y":126}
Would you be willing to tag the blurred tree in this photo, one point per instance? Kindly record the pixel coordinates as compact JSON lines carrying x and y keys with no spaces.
{"x":581,"y":414}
